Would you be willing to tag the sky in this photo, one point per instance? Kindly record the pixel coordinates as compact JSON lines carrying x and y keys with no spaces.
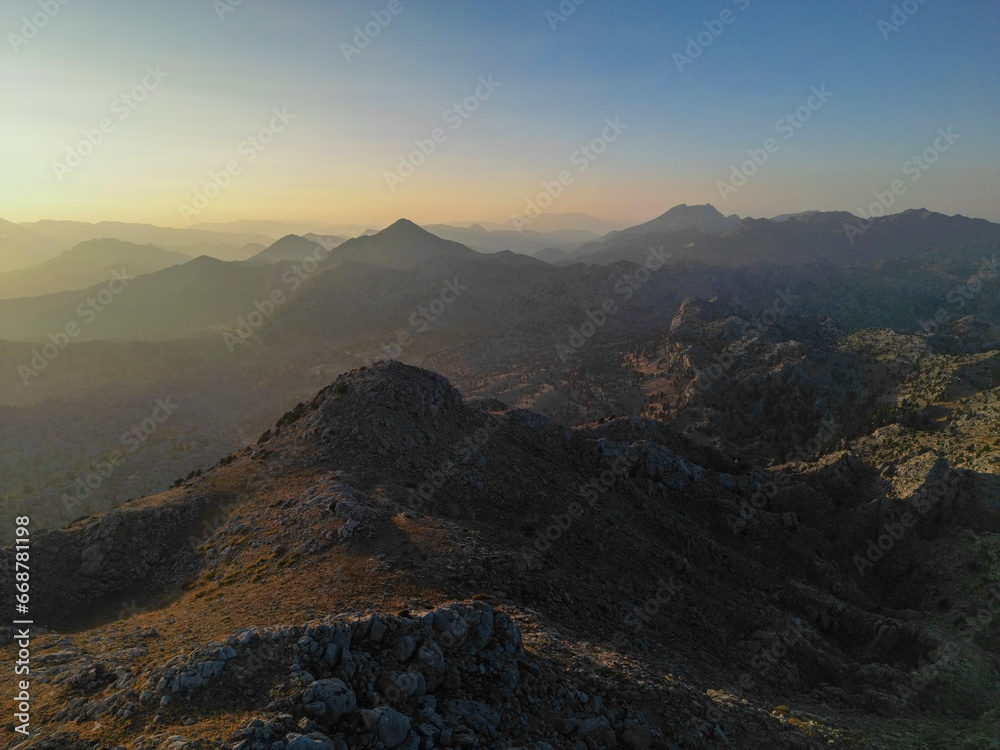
{"x":189,"y":111}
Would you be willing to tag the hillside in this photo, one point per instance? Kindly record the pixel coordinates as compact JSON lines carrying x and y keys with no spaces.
{"x":87,"y":264}
{"x":814,"y":383}
{"x":74,"y":232}
{"x":206,"y":295}
{"x":190,"y":241}
{"x":706,"y":219}
{"x":20,"y":247}
{"x":295,"y":248}
{"x":837,"y":237}
{"x":369,"y":382}
{"x":545,"y":585}
{"x":193,"y":298}
{"x":497,"y":325}
{"x":400,"y":245}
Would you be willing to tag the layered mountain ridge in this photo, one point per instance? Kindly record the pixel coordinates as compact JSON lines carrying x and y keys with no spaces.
{"x":387,"y":507}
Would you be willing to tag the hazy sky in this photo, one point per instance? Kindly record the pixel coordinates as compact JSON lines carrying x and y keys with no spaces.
{"x":553,"y":91}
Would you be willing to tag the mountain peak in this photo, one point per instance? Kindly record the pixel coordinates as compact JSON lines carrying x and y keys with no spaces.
{"x":403,"y":225}
{"x":291,"y":247}
{"x":406,"y":386}
{"x":404,"y":230}
{"x":400,"y":245}
{"x":699,"y":207}
{"x":702,"y":210}
{"x":704,"y":218}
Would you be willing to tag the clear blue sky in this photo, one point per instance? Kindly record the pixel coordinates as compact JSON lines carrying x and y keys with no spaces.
{"x":355,"y":120}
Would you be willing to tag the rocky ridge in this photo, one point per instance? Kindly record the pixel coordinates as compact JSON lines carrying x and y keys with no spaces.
{"x":391,"y":564}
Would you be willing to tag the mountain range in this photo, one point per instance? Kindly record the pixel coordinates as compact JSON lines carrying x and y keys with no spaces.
{"x":21,"y":247}
{"x":88,"y":263}
{"x":702,"y":482}
{"x":33,"y":242}
{"x":145,"y":312}
{"x":227,"y":245}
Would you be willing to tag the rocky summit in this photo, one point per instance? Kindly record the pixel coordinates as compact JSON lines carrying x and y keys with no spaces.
{"x":393,"y":566}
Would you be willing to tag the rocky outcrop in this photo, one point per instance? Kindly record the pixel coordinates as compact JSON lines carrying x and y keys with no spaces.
{"x":455,"y":676}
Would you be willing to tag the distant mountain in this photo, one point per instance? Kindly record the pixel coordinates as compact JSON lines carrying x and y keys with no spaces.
{"x":89,"y":263}
{"x":326,"y":240}
{"x":836,"y":236}
{"x":225,"y":246}
{"x":677,"y":227}
{"x":189,"y":299}
{"x":251,"y":249}
{"x":401,"y":245}
{"x":495,"y":297}
{"x":843,"y":238}
{"x":20,"y":247}
{"x":705,"y":219}
{"x":377,"y":281}
{"x":207,"y":295}
{"x":296,"y":248}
